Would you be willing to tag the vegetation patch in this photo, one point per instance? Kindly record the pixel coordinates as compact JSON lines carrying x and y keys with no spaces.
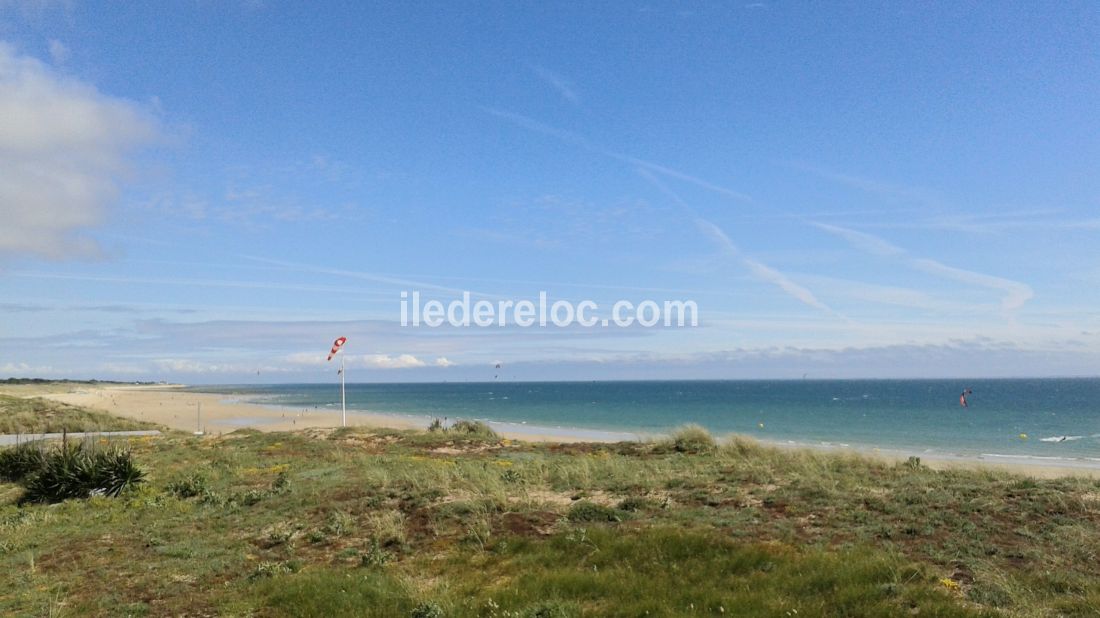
{"x":35,"y":415}
{"x":691,"y":439}
{"x":384,"y":523}
{"x":66,"y":471}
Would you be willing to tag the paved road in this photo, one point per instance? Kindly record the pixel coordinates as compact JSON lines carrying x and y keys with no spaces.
{"x":9,"y":439}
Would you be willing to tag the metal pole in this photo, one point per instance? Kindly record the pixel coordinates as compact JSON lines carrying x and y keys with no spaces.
{"x":343,"y":399}
{"x":198,"y":420}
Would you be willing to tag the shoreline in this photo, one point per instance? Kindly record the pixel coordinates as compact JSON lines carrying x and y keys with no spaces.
{"x":174,"y":407}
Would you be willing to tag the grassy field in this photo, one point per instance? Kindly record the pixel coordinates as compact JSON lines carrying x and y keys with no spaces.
{"x":419,"y":524}
{"x":37,"y":415}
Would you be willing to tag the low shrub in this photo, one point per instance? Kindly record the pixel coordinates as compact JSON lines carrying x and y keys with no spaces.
{"x":585,"y":511}
{"x":548,"y":609}
{"x":337,"y":524}
{"x":375,"y":556}
{"x":427,"y":610}
{"x":634,"y":503}
{"x":189,"y":487}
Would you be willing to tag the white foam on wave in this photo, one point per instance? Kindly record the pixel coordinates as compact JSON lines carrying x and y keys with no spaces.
{"x":1040,"y":457}
{"x":1068,"y":438}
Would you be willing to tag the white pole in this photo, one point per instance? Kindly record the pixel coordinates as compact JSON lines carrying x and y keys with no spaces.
{"x":343,"y":399}
{"x":198,"y":420}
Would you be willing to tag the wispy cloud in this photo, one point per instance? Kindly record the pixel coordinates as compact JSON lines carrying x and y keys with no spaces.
{"x":407,"y":284}
{"x":582,"y":142}
{"x":762,"y":271}
{"x":1048,"y":219}
{"x":1015,"y":293}
{"x":173,"y":281}
{"x":887,"y":295}
{"x":862,"y":241}
{"x":757,"y":268}
{"x":563,"y":86}
{"x":888,"y":190}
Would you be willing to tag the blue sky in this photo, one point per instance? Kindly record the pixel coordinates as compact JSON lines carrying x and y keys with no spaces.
{"x":213,"y":191}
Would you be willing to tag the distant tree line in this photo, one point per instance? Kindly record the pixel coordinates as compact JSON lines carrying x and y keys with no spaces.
{"x":47,"y":381}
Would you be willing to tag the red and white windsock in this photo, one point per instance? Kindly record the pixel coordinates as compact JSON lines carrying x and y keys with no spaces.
{"x":340,"y":341}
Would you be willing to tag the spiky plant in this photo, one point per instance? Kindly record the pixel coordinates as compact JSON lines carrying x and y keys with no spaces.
{"x":78,"y":471}
{"x":19,"y":461}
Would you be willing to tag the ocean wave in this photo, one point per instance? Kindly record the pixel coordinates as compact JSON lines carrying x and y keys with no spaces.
{"x":1068,"y":438}
{"x":1040,"y":457}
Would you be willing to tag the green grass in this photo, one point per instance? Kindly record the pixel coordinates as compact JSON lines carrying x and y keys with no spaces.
{"x":393,"y":523}
{"x":37,"y":415}
{"x":689,"y":438}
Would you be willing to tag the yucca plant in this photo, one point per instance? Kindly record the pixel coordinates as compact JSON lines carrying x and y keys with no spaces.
{"x":117,"y":471}
{"x":17,"y":462}
{"x":79,"y":471}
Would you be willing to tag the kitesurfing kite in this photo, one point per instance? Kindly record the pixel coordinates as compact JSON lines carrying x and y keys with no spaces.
{"x":962,"y":398}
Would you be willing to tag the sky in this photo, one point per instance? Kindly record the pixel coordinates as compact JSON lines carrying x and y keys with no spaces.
{"x":212,"y":191}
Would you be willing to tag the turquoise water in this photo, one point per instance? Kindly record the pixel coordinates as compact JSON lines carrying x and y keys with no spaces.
{"x":1061,"y":417}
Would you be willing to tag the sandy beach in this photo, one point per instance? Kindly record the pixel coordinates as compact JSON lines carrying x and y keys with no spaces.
{"x":178,"y":408}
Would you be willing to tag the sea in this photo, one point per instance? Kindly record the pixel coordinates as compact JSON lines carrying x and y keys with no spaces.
{"x":1040,"y":419}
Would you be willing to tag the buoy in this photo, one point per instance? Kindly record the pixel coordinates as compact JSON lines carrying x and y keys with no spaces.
{"x":761,"y":425}
{"x":1023,"y":436}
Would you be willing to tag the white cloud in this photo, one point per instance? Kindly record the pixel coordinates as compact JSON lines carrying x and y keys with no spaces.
{"x":187,"y":365}
{"x":64,"y":147}
{"x":305,"y":358}
{"x":367,"y":361}
{"x":181,"y":365}
{"x":123,"y":368}
{"x":385,"y":361}
{"x":21,"y":370}
{"x":58,"y":51}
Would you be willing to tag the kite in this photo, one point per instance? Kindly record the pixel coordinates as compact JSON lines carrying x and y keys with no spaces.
{"x":962,"y":398}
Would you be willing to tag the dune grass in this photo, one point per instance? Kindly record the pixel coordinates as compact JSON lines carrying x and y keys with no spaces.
{"x":690,"y":438}
{"x":19,"y":415}
{"x":395,"y":523}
